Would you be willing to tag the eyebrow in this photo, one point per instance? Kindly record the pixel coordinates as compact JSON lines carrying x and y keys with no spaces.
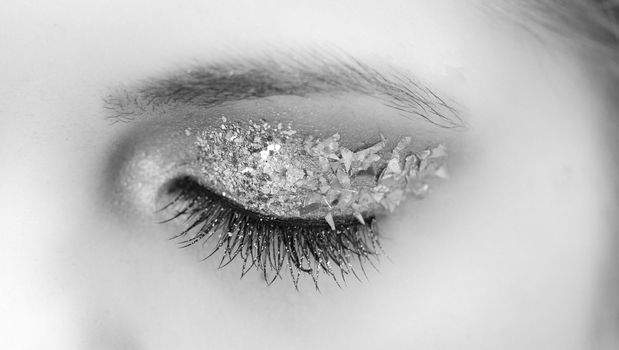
{"x":301,"y":75}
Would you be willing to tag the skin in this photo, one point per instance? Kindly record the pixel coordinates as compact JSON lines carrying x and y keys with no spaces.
{"x":513,"y":252}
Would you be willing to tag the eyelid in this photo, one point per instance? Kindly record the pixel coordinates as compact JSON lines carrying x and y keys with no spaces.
{"x":156,"y":148}
{"x":164,"y":157}
{"x":261,"y":212}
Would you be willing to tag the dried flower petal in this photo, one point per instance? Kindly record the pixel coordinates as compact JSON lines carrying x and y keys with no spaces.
{"x":439,"y":151}
{"x":392,"y":169}
{"x":330,"y":221}
{"x":343,"y":178}
{"x":275,"y":171}
{"x":402,"y":144}
{"x":347,"y":156}
{"x":359,"y":217}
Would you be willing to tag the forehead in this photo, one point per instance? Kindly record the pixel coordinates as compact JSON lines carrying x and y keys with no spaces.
{"x":439,"y":41}
{"x":429,"y":34}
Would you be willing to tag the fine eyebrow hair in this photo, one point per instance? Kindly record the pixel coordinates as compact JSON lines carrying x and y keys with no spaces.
{"x":213,"y":84}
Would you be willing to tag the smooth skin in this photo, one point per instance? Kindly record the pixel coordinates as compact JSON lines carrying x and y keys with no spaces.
{"x":514,"y":252}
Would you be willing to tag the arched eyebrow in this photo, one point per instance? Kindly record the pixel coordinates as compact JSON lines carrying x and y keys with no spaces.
{"x":239,"y":79}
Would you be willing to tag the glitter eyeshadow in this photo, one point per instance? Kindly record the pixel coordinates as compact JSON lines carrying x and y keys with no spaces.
{"x":275,"y":171}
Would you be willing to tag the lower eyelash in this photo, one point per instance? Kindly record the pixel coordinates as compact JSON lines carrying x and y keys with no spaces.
{"x":269,"y":244}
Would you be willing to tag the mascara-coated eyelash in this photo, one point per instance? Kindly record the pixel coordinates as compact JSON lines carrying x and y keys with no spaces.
{"x":272,"y":245}
{"x":279,"y":199}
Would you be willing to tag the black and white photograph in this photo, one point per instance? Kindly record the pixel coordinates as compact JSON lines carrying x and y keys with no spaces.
{"x":311,"y":175}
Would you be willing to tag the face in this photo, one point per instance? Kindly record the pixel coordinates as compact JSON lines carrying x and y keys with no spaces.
{"x":512,"y":251}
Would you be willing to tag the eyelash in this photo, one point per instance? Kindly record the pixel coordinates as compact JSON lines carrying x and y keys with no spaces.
{"x":271,"y":245}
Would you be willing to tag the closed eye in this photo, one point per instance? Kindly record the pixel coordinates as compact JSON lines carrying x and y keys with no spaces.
{"x":271,"y":166}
